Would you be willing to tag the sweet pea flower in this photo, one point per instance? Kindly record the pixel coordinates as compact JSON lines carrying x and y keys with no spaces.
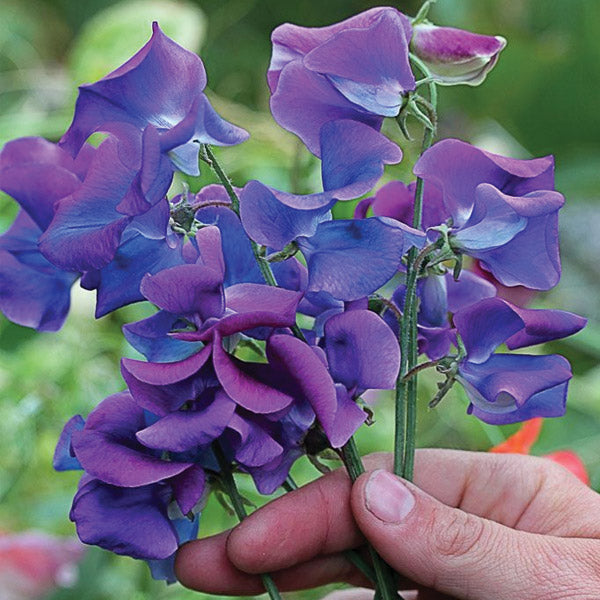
{"x":347,"y":259}
{"x":439,"y":297}
{"x":158,"y":94}
{"x":506,"y":388}
{"x":357,"y":69}
{"x":503,"y":211}
{"x":157,"y":116}
{"x":124,"y":497}
{"x":35,"y":292}
{"x":454,"y":56}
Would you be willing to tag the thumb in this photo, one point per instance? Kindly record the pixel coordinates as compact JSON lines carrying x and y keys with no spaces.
{"x":458,"y":553}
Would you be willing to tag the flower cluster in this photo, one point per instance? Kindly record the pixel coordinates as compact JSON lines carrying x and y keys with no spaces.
{"x":273,"y":318}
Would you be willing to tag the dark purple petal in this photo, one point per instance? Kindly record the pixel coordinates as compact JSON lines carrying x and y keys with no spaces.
{"x":314,"y":384}
{"x":30,"y":165}
{"x":369,"y":66}
{"x":543,"y":326}
{"x":188,"y":488}
{"x":486,"y":325}
{"x":130,"y":521}
{"x":305,"y":101}
{"x":243,"y":387}
{"x":455,"y":56}
{"x":33,"y":292}
{"x":510,"y":388}
{"x":166,"y":373}
{"x":263,"y":305}
{"x":457,"y":168}
{"x":435,"y":341}
{"x":351,"y":259}
{"x":396,"y":200}
{"x":164,"y":399}
{"x":186,"y":290}
{"x":469,"y":289}
{"x":64,"y":459}
{"x":106,"y":458}
{"x":184,"y":430}
{"x":256,"y":447}
{"x":362,"y":351}
{"x":208,"y":242}
{"x":107,"y":447}
{"x":433,"y":305}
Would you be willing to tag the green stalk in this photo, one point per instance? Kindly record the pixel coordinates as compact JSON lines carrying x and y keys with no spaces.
{"x":406,"y":388}
{"x":237,"y":501}
{"x":384,"y":574}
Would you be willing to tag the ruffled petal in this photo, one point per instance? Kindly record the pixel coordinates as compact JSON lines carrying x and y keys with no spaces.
{"x":305,"y":101}
{"x":511,"y":388}
{"x":486,"y":325}
{"x":186,"y":290}
{"x":369,"y":66}
{"x":351,"y":259}
{"x":362,"y":351}
{"x":543,"y":326}
{"x":130,"y":521}
{"x":184,"y":430}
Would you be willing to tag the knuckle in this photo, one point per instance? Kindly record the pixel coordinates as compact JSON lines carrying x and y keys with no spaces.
{"x":460,"y":535}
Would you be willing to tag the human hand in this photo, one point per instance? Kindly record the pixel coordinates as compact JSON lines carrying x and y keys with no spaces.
{"x":478,"y":526}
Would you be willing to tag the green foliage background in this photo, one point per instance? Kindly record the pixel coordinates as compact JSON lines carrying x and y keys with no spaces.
{"x":541,"y":99}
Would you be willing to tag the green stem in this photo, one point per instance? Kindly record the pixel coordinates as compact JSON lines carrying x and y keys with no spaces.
{"x":216,"y":167}
{"x":406,"y":388}
{"x":267,"y":273}
{"x":384,"y":575}
{"x":237,"y":501}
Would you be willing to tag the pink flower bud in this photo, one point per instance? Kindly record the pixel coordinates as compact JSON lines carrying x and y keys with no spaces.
{"x":455,"y":56}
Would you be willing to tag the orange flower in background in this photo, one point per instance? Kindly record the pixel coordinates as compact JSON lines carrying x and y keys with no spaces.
{"x":522,"y":441}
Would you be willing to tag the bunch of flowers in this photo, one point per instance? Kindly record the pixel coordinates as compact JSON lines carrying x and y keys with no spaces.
{"x":273,"y":318}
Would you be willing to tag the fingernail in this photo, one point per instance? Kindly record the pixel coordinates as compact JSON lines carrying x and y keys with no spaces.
{"x":388,"y":498}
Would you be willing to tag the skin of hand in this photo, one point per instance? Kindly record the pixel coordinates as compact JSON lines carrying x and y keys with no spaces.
{"x":474,"y":526}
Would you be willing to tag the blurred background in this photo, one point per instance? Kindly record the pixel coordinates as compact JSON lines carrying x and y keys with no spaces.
{"x":540,"y":99}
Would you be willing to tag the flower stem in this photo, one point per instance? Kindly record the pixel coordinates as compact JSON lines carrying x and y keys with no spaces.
{"x":406,"y":387}
{"x":237,"y":501}
{"x":384,"y":575}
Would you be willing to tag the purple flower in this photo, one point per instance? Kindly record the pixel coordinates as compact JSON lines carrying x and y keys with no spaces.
{"x":357,"y":69}
{"x":348,"y":259}
{"x":454,"y":56}
{"x":505,"y":388}
{"x":157,"y":117}
{"x":439,"y":297}
{"x":159,"y":88}
{"x":503,"y":211}
{"x":124,"y":498}
{"x":33,"y":291}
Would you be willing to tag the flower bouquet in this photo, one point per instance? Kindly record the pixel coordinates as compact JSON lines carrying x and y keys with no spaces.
{"x":273,"y":317}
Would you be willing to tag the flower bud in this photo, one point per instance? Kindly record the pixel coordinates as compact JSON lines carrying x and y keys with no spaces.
{"x":455,"y":56}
